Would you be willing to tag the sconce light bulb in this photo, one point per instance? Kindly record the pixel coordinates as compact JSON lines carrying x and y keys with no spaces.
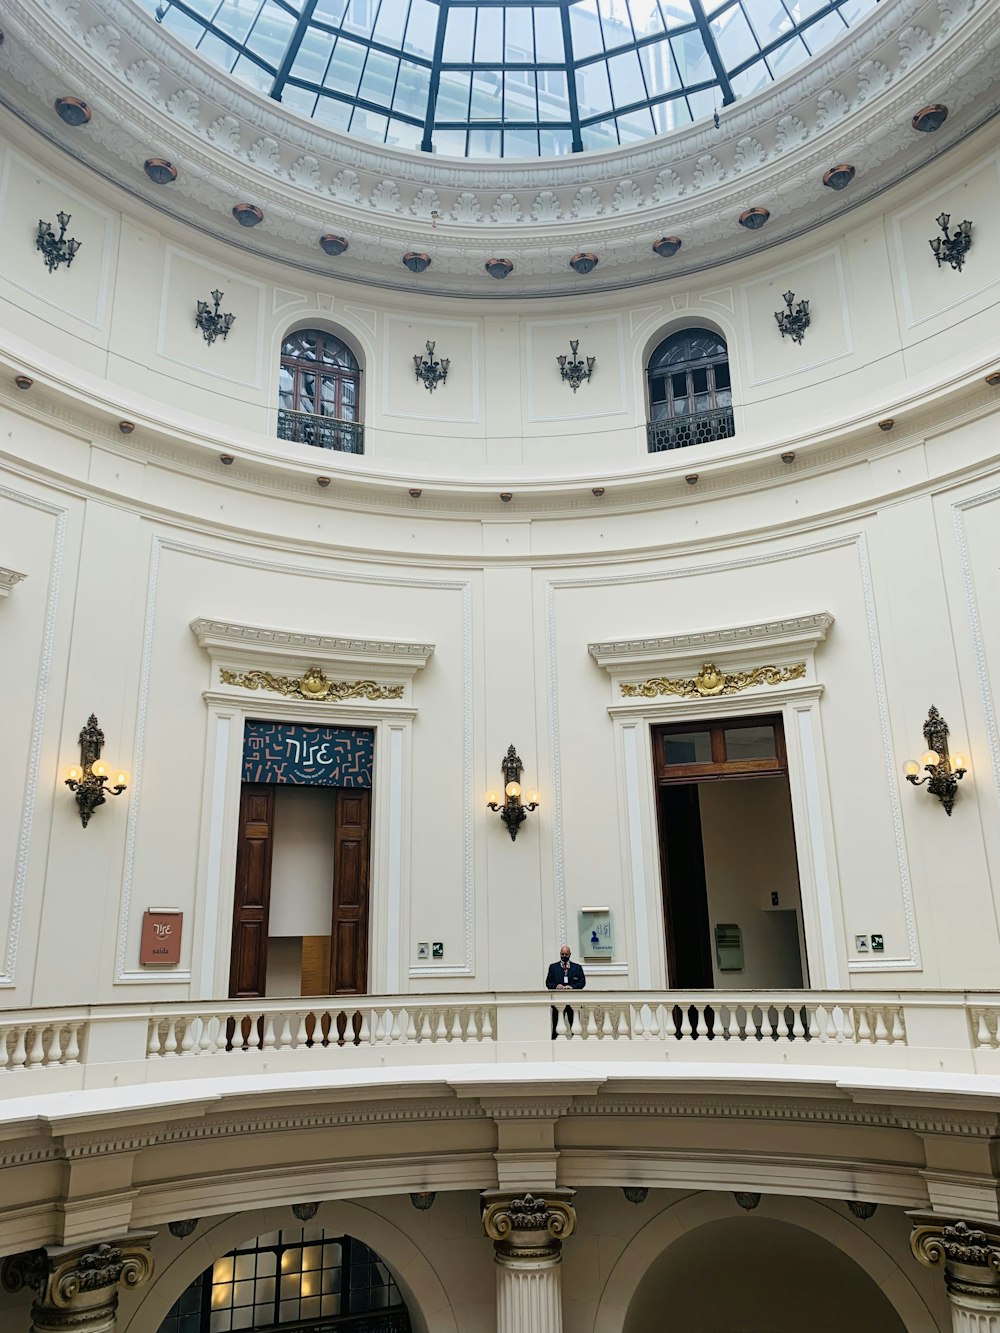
{"x":513,"y":789}
{"x":911,"y":768}
{"x":99,"y":768}
{"x":959,"y":761}
{"x":492,"y":797}
{"x":74,"y":773}
{"x":930,"y":758}
{"x":534,"y":797}
{"x":121,"y":779}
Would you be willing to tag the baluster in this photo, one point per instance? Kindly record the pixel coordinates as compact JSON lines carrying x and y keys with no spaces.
{"x":187,"y":1036}
{"x":395,"y":1034}
{"x":864,"y":1027}
{"x":378,"y":1027}
{"x":71,"y":1055}
{"x":654,"y":1020}
{"x":4,"y":1054}
{"x":685,"y":1021}
{"x":301,"y":1031}
{"x":983,"y":1037}
{"x":766,"y":1026}
{"x":825,"y":1016}
{"x":208,"y":1036}
{"x":170,"y":1045}
{"x":638,"y":1026}
{"x":456,"y":1027}
{"x":19,"y":1054}
{"x":425,"y":1026}
{"x":606,"y":1028}
{"x":36,"y":1052}
{"x":781,"y":1026}
{"x":486,"y":1029}
{"x":53,"y":1053}
{"x":364,"y":1032}
{"x":848,"y":1022}
{"x":898,"y":1031}
{"x":411,"y":1026}
{"x":881,"y":1031}
{"x":733,"y":1025}
{"x":440,"y":1031}
{"x":284,"y":1041}
{"x":798,"y":1027}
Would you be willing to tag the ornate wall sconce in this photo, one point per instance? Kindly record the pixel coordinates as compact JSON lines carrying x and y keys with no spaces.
{"x":793,"y":322}
{"x":429,"y":372}
{"x":575,"y":371}
{"x":944,"y":771}
{"x":512,"y":812}
{"x":952,"y":249}
{"x":212,"y":323}
{"x":55,"y":249}
{"x":87,"y":778}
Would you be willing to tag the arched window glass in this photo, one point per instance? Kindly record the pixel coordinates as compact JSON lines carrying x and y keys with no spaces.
{"x":319,"y":392}
{"x":690,"y":394}
{"x":301,"y":1276}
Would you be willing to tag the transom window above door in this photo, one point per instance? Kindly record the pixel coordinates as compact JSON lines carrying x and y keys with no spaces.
{"x":705,"y":750}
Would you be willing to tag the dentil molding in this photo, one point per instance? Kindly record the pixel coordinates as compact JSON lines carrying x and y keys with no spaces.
{"x":852,"y":103}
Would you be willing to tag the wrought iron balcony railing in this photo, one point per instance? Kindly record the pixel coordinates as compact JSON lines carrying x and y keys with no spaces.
{"x":698,"y":428}
{"x":348,"y":437}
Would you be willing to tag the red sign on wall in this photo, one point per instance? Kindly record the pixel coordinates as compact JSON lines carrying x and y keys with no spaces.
{"x":161,"y":936}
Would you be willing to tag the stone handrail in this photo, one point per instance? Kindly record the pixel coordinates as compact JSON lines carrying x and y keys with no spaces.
{"x":92,"y":1046}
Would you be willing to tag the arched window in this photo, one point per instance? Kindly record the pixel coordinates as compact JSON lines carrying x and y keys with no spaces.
{"x":690,"y":397}
{"x":320,"y":392}
{"x":300,"y":1276}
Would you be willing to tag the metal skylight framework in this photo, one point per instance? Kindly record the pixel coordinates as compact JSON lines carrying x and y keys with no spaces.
{"x":521,"y":79}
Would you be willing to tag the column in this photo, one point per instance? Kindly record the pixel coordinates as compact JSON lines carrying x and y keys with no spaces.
{"x":970,"y":1257}
{"x":76,"y":1286}
{"x":527,"y":1232}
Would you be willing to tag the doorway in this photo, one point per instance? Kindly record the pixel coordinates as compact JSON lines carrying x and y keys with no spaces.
{"x":731,"y":902}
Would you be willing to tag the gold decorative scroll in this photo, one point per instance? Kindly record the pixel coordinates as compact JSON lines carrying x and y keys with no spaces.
{"x":712,"y":680}
{"x":313,"y":685}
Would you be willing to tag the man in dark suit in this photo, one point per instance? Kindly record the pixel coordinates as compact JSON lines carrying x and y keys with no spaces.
{"x":564,"y":975}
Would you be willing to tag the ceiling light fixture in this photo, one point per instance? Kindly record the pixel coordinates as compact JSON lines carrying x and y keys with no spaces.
{"x":416,"y":262}
{"x":23,"y":381}
{"x":887,"y":423}
{"x":754,"y":218}
{"x":72,"y":111}
{"x":584,"y":263}
{"x":667,"y":246}
{"x":248,"y":215}
{"x":333,"y":245}
{"x":838,"y":178}
{"x":930,"y":118}
{"x":499,"y":268}
{"x":159,"y":170}
{"x":126,"y":427}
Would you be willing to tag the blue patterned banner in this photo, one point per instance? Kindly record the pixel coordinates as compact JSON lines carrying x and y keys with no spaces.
{"x":309,"y":756}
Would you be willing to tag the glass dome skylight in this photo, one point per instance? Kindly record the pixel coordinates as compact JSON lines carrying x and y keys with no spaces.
{"x":542,"y":78}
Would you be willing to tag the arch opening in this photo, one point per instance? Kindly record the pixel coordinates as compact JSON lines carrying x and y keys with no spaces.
{"x":689,"y":390}
{"x":319,"y":392}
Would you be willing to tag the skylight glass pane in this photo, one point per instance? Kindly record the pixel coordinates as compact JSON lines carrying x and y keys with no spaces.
{"x":360,"y":17}
{"x":484,"y":143}
{"x":313,"y":57}
{"x":247,"y":71}
{"x":410,"y":98}
{"x":234,"y":17}
{"x":616,"y":27}
{"x":593,"y":89}
{"x":635,"y":126}
{"x":751,"y":79}
{"x":669,"y":116}
{"x":453,"y":96}
{"x":553,"y":95}
{"x":485,"y":93}
{"x":459,"y":34}
{"x":334,"y":113}
{"x":646,"y":18}
{"x":518,"y":37}
{"x":769,"y":20}
{"x":823,"y":32}
{"x":217,"y":51}
{"x":585,"y":29}
{"x":548,"y":35}
{"x":391,"y":22}
{"x":627,"y":84}
{"x":733,"y":37}
{"x":271,"y":33}
{"x":402,"y":135}
{"x":520,"y":143}
{"x":787,"y":57}
{"x":379,"y":78}
{"x":489,"y":35}
{"x":331,"y":11}
{"x":597,"y":138}
{"x":692,"y":58}
{"x":519,"y":97}
{"x":659,"y":69}
{"x":344,"y":72}
{"x":421,"y":30}
{"x":555,"y":143}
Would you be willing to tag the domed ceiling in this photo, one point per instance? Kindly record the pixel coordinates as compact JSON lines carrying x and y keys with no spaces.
{"x":179,"y":113}
{"x":509,"y":80}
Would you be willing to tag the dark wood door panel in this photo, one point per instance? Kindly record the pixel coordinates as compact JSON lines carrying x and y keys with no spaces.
{"x":349,"y":929}
{"x":251,"y":903}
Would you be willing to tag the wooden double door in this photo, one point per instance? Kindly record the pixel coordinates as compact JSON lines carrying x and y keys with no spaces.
{"x":345,"y":962}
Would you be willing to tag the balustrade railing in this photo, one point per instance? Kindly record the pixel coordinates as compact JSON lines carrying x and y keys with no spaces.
{"x":348,"y":437}
{"x":697,"y":428}
{"x":95,"y":1045}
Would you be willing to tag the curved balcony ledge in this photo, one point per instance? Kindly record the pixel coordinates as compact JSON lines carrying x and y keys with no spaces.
{"x":826,"y":1034}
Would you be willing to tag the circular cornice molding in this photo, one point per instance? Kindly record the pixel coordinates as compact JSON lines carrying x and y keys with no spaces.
{"x":854,"y":103}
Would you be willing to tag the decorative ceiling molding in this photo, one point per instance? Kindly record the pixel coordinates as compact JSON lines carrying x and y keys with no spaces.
{"x":8,"y":577}
{"x":852,"y":103}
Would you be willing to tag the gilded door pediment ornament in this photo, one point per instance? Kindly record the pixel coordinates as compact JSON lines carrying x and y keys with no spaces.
{"x":313,"y":684}
{"x":712,"y":680}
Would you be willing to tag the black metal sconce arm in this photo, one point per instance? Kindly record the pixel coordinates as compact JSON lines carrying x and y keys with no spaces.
{"x":942,"y":778}
{"x":513,"y":811}
{"x":91,"y":788}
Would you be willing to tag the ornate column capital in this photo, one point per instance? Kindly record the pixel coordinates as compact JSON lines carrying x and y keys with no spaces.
{"x":969,"y":1255}
{"x":76,"y":1286}
{"x":528,"y":1226}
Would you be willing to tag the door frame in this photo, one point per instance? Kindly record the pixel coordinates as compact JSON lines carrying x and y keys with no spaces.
{"x":388,"y":865}
{"x":819,"y":890}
